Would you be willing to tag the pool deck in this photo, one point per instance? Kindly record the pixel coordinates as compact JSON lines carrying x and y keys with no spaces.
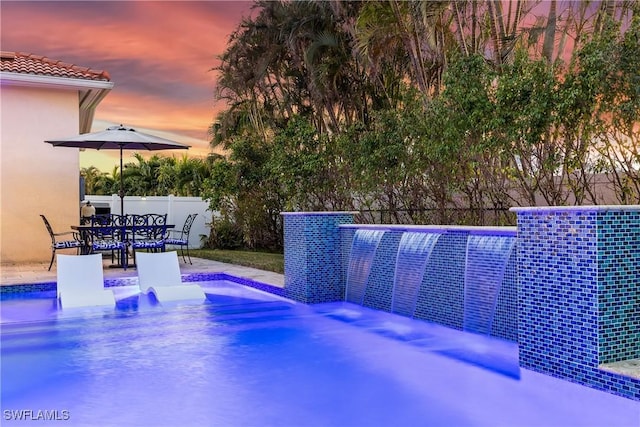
{"x":13,"y":274}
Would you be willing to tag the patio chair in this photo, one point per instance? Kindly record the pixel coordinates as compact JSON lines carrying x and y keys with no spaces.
{"x":148,"y":233}
{"x":181,"y":238}
{"x":102,"y":219}
{"x":156,"y":219}
{"x":57,"y":243}
{"x":159,"y":274}
{"x":81,"y":282}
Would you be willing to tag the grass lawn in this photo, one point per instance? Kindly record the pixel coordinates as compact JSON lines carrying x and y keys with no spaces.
{"x":263,"y":260}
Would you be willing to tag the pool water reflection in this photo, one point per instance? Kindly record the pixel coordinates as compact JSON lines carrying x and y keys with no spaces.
{"x":247,"y":358}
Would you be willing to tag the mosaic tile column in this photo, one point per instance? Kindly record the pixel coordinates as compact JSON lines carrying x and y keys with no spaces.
{"x":313,"y":270}
{"x":579,"y":293}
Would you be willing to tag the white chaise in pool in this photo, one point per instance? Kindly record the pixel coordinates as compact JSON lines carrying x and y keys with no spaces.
{"x":159,"y":273}
{"x":81,"y":282}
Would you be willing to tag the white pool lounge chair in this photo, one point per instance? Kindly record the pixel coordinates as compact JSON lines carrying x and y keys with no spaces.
{"x":81,"y":281}
{"x":159,"y":273}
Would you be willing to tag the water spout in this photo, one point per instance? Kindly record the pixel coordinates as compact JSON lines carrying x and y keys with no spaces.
{"x":487,"y":258}
{"x":413,"y":252}
{"x":363,"y":250}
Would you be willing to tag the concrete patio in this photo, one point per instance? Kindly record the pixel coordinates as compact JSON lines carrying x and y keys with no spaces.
{"x":12,"y":274}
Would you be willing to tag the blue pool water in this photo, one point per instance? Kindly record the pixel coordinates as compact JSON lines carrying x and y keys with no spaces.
{"x":248,"y":358}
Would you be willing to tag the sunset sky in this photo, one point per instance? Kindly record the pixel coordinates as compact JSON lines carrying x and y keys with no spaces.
{"x":158,"y":53}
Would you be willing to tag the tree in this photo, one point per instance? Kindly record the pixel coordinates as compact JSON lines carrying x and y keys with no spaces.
{"x":425,"y":109}
{"x":97,"y":182}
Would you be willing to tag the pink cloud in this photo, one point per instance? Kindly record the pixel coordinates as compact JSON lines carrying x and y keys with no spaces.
{"x":159,"y":54}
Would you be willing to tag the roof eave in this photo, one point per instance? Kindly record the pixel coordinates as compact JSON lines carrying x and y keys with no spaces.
{"x":36,"y":80}
{"x":89,"y":100}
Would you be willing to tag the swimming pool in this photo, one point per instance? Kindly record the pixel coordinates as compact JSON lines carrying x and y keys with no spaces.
{"x":248,"y":358}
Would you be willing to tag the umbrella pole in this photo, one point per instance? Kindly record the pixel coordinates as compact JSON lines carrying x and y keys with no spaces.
{"x":121,"y":184}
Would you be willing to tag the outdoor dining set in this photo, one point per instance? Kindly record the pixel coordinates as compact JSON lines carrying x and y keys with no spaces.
{"x":121,"y":236}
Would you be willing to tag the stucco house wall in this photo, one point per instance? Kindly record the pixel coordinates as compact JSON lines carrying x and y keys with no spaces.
{"x":36,"y":178}
{"x":41,"y":99}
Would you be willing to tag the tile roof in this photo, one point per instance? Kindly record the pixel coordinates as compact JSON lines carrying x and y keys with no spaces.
{"x":25,"y":63}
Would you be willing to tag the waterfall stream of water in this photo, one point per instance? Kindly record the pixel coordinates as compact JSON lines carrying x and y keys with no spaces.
{"x":363,"y":251}
{"x":487,"y":258}
{"x":413,"y":252}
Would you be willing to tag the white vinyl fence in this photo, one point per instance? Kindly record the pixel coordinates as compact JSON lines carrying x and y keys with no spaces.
{"x":176,"y":208}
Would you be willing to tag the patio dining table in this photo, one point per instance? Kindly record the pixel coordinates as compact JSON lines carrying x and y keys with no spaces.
{"x":88,"y":231}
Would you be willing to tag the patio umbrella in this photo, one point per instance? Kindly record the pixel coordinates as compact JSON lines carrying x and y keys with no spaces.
{"x":118,"y":138}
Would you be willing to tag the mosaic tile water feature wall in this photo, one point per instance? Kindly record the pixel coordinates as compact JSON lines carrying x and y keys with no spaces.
{"x":316,"y":270}
{"x":313,"y":262}
{"x":579,"y":293}
{"x":441,"y":293}
{"x":570,"y":295}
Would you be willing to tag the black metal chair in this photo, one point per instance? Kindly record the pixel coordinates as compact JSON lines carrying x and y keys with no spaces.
{"x":101,"y":219}
{"x":148,"y":233}
{"x":182,"y":239}
{"x":57,"y":243}
{"x":108,"y":234}
{"x":110,"y":238}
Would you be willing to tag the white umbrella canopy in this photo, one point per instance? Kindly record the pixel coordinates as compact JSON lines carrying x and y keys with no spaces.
{"x":118,"y":138}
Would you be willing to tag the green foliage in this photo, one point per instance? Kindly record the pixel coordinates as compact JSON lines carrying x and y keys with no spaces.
{"x":97,"y":182}
{"x":224,"y":235}
{"x":433,"y":112}
{"x":305,"y":165}
{"x":220,"y":187}
{"x":155,"y":176}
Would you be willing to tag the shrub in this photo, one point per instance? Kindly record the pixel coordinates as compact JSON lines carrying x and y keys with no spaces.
{"x":224,"y":235}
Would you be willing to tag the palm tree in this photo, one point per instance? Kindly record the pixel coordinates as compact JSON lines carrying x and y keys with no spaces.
{"x":97,"y":182}
{"x":91,"y":176}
